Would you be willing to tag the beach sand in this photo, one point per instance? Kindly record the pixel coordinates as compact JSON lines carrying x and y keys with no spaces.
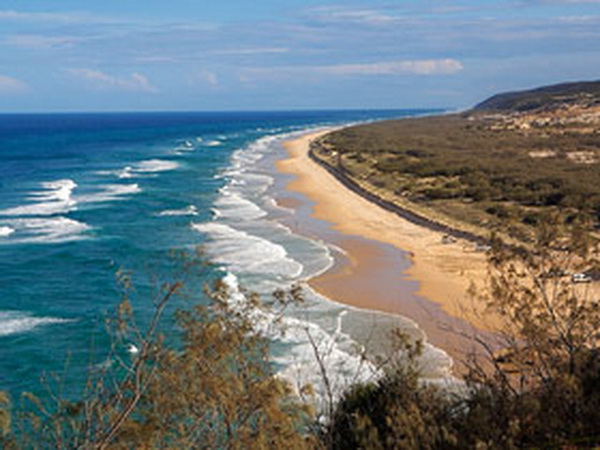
{"x":371,"y":277}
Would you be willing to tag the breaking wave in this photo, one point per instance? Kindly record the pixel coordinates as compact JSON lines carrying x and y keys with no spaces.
{"x":15,"y":322}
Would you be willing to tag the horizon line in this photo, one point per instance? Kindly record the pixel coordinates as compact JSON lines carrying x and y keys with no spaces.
{"x":223,"y":111}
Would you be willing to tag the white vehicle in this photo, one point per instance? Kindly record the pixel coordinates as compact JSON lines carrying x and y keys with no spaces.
{"x":581,"y":278}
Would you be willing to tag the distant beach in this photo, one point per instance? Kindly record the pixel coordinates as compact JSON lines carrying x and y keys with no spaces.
{"x":370,"y":277}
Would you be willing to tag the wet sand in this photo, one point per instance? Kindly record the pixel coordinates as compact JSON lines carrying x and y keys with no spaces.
{"x":431,"y":288}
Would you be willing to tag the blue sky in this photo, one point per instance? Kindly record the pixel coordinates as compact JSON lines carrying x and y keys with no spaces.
{"x":69,"y":55}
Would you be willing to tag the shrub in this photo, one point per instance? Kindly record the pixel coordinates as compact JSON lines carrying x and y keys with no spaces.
{"x":217,"y":390}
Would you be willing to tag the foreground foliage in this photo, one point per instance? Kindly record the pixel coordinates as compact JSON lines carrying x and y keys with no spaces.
{"x":217,"y":390}
{"x":538,"y":388}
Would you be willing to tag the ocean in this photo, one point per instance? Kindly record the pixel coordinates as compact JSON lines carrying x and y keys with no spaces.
{"x":87,"y":196}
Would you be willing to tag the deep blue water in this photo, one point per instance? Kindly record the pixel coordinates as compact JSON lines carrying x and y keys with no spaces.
{"x":84,"y":195}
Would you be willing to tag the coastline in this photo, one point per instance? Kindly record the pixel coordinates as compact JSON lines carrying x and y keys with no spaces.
{"x":368,"y":277}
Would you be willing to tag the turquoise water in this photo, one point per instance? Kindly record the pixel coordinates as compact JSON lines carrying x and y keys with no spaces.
{"x":84,"y":195}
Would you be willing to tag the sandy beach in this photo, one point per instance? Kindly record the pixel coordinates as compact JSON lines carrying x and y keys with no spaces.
{"x":369,"y":277}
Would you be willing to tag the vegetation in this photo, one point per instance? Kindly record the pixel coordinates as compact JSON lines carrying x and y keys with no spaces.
{"x":215,"y":390}
{"x":537,"y":389}
{"x":544,"y":97}
{"x":478,"y":171}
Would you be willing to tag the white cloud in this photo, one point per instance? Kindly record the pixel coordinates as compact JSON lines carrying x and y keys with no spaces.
{"x":211,"y":78}
{"x":419,"y":67}
{"x":138,"y":82}
{"x":135,"y":82}
{"x":18,"y":16}
{"x":343,"y":14}
{"x":558,"y":2}
{"x":203,"y":76}
{"x":156,"y":59}
{"x":190,"y":27}
{"x":36,"y":41}
{"x":578,"y":2}
{"x":251,"y":51}
{"x":424,"y":67}
{"x":579,"y":20}
{"x":22,"y":16}
{"x":10,"y":85}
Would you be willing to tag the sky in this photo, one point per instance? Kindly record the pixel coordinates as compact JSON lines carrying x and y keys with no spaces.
{"x":182,"y":55}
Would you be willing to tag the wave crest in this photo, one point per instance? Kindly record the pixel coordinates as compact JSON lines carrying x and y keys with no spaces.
{"x":14,"y":322}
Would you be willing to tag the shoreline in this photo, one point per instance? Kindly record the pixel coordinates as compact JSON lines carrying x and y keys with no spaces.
{"x":403,"y":212}
{"x":370,"y":278}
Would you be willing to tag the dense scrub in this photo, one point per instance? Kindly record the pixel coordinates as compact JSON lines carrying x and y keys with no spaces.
{"x":463,"y":167}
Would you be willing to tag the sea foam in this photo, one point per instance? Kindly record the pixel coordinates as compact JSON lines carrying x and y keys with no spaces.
{"x":191,"y":210}
{"x":232,"y":205}
{"x":6,"y":231}
{"x":14,"y":322}
{"x":143,"y":168}
{"x":309,"y":349}
{"x":110,"y":192}
{"x":48,"y":230}
{"x":242,"y":252}
{"x":54,"y":198}
{"x":155,"y":165}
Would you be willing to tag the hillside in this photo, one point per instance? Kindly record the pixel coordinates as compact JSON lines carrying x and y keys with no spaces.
{"x":500,"y":166}
{"x":545,"y":98}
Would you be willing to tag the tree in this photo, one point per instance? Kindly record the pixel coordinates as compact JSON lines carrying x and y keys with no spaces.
{"x":538,"y":385}
{"x":217,"y":389}
{"x":398,"y":411}
{"x":538,"y":390}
